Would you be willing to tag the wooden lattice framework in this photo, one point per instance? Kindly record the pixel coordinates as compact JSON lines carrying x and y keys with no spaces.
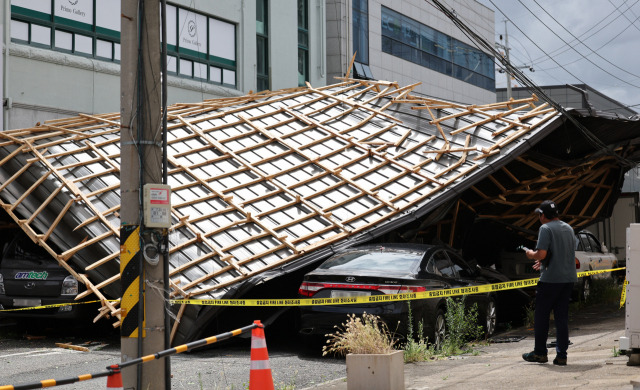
{"x":258,"y":181}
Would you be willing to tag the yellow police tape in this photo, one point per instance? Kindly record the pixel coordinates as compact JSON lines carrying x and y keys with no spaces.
{"x":451,"y":292}
{"x":623,"y":297}
{"x":53,"y":305}
{"x":485,"y":288}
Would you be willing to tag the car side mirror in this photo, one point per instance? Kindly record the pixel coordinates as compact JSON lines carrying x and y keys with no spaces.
{"x":603,"y":248}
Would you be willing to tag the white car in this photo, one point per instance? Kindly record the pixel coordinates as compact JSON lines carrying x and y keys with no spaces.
{"x":591,"y":256}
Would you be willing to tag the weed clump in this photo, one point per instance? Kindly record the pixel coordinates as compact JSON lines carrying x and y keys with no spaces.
{"x":416,"y":349}
{"x":366,"y":335}
{"x":462,"y":325}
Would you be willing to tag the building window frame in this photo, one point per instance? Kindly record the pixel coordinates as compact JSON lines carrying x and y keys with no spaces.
{"x":263,"y":81}
{"x":360,"y":21}
{"x":202,"y":65}
{"x":58,"y":24}
{"x":303,"y":42}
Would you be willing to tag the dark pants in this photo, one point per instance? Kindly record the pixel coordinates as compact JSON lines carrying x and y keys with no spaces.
{"x":556,"y":297}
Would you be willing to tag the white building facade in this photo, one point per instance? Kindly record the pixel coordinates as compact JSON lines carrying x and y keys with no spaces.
{"x":410,"y":41}
{"x":62,"y":57}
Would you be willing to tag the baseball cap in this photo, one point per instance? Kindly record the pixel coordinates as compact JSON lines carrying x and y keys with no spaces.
{"x":548,"y":208}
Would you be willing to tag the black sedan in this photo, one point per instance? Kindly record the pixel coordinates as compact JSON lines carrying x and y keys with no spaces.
{"x":394,"y":269}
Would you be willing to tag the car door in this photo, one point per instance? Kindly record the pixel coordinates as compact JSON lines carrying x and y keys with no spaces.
{"x":585,"y":253}
{"x":599,"y":259}
{"x":467,"y":277}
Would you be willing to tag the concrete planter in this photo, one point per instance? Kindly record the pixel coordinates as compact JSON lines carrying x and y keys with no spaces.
{"x":375,"y":371}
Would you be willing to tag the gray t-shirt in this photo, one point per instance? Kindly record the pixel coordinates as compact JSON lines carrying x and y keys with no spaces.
{"x":557,"y":238}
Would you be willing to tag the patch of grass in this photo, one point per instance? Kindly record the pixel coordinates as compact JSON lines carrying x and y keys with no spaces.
{"x":529,"y":314}
{"x":462,"y":326}
{"x":604,"y":291}
{"x":616,"y":352}
{"x":366,"y":335}
{"x":416,"y":349}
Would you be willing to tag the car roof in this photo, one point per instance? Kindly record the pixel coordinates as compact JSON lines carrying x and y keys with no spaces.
{"x":399,"y":246}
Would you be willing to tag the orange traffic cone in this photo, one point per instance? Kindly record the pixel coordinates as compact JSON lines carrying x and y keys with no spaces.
{"x":114,"y":381}
{"x":260,"y":375}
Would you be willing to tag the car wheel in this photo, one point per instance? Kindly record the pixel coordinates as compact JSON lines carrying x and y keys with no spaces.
{"x":440,"y":330}
{"x":490,"y":318}
{"x":585,"y":291}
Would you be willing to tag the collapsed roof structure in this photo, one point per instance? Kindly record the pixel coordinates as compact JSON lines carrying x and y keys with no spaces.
{"x":266,"y":183}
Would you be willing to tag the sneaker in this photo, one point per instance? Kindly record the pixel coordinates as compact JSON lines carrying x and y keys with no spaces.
{"x":532,"y":357}
{"x":558,"y":361}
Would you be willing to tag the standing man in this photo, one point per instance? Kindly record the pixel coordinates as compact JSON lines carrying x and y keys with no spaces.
{"x":555,"y":259}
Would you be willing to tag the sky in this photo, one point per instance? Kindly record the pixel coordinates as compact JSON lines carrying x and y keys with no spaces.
{"x":593,"y":42}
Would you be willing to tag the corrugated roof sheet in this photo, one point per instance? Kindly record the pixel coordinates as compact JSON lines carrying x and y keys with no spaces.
{"x":258,"y":181}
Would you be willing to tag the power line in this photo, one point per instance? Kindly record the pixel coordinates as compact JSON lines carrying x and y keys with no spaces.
{"x":578,"y":39}
{"x":567,"y":47}
{"x":520,"y":76}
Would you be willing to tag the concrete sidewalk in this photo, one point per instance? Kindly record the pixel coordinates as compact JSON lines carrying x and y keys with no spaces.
{"x":594,"y":333}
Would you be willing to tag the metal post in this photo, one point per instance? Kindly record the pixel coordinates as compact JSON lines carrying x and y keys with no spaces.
{"x":141,"y":163}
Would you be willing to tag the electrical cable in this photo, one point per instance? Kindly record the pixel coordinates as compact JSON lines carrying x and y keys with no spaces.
{"x":564,"y":48}
{"x":574,"y":49}
{"x":601,"y":46}
{"x":480,"y":42}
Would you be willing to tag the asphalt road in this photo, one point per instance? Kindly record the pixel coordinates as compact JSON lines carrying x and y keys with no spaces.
{"x":222,"y":367}
{"x":594,"y":332}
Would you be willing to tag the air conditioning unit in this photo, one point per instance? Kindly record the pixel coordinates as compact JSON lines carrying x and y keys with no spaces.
{"x":630,"y":343}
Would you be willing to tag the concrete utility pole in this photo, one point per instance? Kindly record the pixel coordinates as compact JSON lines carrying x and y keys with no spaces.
{"x":143,"y":314}
{"x":506,"y":49}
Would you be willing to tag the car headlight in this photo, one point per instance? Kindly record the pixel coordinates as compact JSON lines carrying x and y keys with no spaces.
{"x":1,"y":284}
{"x":69,"y":286}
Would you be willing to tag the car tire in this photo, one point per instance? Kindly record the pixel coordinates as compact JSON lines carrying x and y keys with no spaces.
{"x":490,"y":318}
{"x":585,"y":289}
{"x":439,"y":329}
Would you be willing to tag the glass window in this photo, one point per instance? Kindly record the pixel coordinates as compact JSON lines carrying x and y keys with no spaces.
{"x":585,"y":245}
{"x":116,"y":51}
{"x":83,"y":44}
{"x":20,"y":30}
{"x":92,"y":28}
{"x":303,"y":42}
{"x":361,"y":30}
{"x":41,"y":35}
{"x":200,"y":70}
{"x":215,"y":74}
{"x":172,"y":64}
{"x":442,"y":265}
{"x":228,"y":77}
{"x":462,"y":268}
{"x":104,"y":49}
{"x":595,"y":245}
{"x":261,"y":16}
{"x":377,"y":260}
{"x":223,"y":41}
{"x":64,"y":40}
{"x":413,"y":41}
{"x":262,"y":45}
{"x":186,"y":68}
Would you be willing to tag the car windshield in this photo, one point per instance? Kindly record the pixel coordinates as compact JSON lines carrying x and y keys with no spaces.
{"x":23,"y":251}
{"x":380,"y":260}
